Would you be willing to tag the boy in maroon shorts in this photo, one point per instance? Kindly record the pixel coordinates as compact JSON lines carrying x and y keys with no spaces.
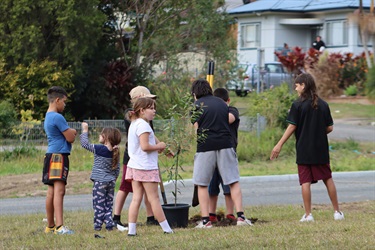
{"x":310,"y":120}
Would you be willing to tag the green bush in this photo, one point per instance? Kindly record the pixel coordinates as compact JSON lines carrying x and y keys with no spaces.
{"x":370,"y":83}
{"x":274,"y":104}
{"x":351,"y":90}
{"x":261,"y":147}
{"x":7,"y":117}
{"x":20,"y":151}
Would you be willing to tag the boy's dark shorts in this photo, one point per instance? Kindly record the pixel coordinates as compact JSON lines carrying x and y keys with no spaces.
{"x":314,"y":173}
{"x":214,"y":187}
{"x":125,"y":186}
{"x":56,"y":168}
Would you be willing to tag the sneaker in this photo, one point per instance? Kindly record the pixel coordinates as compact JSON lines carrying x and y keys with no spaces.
{"x":338,"y":215}
{"x":170,"y":232}
{"x":207,"y":225}
{"x":152,"y":222}
{"x":307,"y":218}
{"x":118,"y":222}
{"x":121,"y":228}
{"x":50,"y":229}
{"x":231,"y":217}
{"x":243,"y":222}
{"x":63,"y":230}
{"x":213,"y":218}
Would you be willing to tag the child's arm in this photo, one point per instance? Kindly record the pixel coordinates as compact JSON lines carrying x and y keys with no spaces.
{"x":70,"y":135}
{"x":84,"y":138}
{"x":288,"y":132}
{"x":329,"y":129}
{"x":147,"y":147}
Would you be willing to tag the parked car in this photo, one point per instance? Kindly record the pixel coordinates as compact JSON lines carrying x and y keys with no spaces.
{"x":273,"y":74}
{"x":239,"y":79}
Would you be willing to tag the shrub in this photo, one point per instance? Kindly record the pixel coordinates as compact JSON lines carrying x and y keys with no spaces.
{"x":351,"y":90}
{"x":7,"y":117}
{"x":370,"y":84}
{"x":273,"y":104}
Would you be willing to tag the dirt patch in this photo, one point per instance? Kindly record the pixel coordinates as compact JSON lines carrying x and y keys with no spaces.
{"x":13,"y":186}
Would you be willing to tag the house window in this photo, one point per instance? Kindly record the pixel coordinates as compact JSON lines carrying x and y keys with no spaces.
{"x":250,"y":35}
{"x":337,"y":33}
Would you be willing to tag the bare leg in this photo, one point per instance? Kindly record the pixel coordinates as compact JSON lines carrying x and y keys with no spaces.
{"x":120,"y":201}
{"x":229,"y":204}
{"x":306,"y":196}
{"x":213,"y":204}
{"x":136,"y":201}
{"x":49,"y":207}
{"x":331,"y":188}
{"x":204,"y":200}
{"x":151,"y":188}
{"x":236,"y":195}
{"x":148,"y":206}
{"x":58,"y":201}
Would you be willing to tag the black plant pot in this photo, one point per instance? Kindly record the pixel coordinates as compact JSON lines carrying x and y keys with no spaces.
{"x":177,"y":215}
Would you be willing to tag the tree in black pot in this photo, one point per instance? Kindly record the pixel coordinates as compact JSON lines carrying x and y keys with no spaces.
{"x":181,"y":134}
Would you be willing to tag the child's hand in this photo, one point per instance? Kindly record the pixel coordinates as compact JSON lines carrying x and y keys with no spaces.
{"x":85,"y":127}
{"x":161,"y":146}
{"x":169,"y":153}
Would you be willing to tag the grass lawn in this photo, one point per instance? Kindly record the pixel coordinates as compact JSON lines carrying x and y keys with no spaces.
{"x":277,"y":227}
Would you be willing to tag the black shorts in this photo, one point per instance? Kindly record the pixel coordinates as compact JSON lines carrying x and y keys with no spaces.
{"x":56,"y":168}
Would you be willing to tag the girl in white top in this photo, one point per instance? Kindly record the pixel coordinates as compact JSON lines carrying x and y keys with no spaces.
{"x":143,"y":172}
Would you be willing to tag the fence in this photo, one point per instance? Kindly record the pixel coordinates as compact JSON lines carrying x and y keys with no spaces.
{"x":33,"y":133}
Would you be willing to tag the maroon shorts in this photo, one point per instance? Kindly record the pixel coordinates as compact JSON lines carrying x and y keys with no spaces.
{"x":125,"y":186}
{"x":314,"y":173}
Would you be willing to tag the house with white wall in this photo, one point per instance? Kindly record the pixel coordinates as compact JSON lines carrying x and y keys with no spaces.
{"x":268,"y":24}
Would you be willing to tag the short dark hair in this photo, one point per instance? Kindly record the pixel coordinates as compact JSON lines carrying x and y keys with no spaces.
{"x":200,"y":88}
{"x":222,"y":93}
{"x":56,"y":92}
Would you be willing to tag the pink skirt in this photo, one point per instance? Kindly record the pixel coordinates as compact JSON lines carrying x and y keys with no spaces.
{"x":142,"y":175}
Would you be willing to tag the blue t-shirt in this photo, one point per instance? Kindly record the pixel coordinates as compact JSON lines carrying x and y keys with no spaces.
{"x":54,"y":126}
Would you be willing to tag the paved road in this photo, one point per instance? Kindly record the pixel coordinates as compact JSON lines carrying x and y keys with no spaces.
{"x":257,"y":190}
{"x":365,"y":133}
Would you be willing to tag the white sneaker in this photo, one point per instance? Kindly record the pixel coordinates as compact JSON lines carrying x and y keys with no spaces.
{"x":307,"y":218}
{"x":338,"y":215}
{"x":201,"y":225}
{"x":243,"y":222}
{"x":121,"y":228}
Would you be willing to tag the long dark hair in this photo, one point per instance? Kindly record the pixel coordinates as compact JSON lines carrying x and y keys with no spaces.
{"x":309,"y":92}
{"x":113,"y":135}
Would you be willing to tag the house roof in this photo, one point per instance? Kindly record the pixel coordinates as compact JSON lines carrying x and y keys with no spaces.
{"x":297,"y":6}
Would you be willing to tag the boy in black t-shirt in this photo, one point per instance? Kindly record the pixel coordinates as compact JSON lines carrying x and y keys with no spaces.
{"x":214,"y":149}
{"x":216,"y":181}
{"x":310,"y":120}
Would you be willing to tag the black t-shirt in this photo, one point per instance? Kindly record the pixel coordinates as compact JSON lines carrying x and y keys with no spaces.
{"x":234,"y":126}
{"x":311,"y":132}
{"x":317,"y":45}
{"x":213,"y":125}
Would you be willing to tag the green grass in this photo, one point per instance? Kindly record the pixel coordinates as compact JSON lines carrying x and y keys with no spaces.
{"x":350,"y":110}
{"x":278,"y":227}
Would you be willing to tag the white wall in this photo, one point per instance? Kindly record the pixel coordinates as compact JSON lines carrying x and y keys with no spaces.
{"x":274,"y":35}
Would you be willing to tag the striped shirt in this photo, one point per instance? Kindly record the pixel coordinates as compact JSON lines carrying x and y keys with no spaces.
{"x":102,"y":168}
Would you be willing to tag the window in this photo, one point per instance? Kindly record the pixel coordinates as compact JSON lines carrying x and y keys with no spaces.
{"x":250,"y":35}
{"x":337,"y":33}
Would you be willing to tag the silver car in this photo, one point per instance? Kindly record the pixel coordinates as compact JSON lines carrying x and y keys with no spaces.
{"x":273,"y":74}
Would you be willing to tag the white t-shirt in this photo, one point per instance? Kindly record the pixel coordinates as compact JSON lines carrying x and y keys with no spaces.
{"x":140,"y":159}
